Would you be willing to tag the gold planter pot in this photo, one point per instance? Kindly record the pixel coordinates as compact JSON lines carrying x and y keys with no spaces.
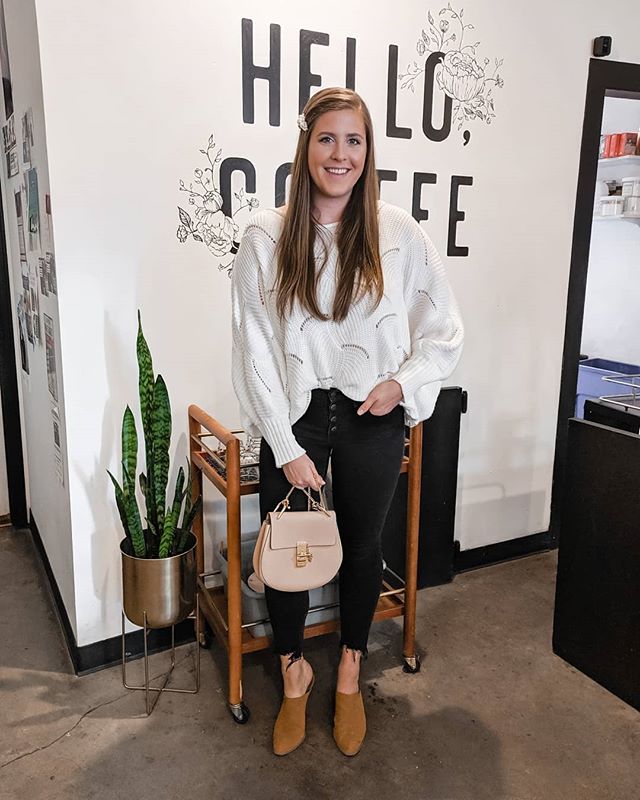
{"x":163,"y":589}
{"x":159,"y":593}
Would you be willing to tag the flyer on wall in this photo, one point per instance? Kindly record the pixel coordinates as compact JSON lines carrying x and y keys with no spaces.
{"x":42,"y":271}
{"x":27,"y":137}
{"x":24,"y":352}
{"x":9,"y":135}
{"x":35,"y":306}
{"x":34,"y":290}
{"x":48,"y":238}
{"x":13,"y":165}
{"x":33,"y":209}
{"x":26,"y":305}
{"x":50,"y":345}
{"x":50,"y":269}
{"x":10,"y":148}
{"x":57,"y":449}
{"x":21,"y":241}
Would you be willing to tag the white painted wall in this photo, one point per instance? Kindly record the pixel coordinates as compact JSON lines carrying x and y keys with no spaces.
{"x":611,"y":327}
{"x":4,"y":487}
{"x":48,"y":499}
{"x":132,"y":91}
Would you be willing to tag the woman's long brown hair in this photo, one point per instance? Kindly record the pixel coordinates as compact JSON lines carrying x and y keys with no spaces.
{"x":359,"y":270}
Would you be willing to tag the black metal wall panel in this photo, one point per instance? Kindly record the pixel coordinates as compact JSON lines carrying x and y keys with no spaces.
{"x":441,"y":439}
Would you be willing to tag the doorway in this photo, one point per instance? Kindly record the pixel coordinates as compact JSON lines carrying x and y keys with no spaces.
{"x":608,"y":80}
{"x":11,"y":453}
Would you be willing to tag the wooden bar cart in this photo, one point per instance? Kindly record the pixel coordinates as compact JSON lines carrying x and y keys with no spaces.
{"x":223,"y":613}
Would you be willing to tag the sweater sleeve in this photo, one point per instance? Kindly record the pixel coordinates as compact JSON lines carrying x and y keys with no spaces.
{"x":256,"y":365}
{"x":435,"y":327}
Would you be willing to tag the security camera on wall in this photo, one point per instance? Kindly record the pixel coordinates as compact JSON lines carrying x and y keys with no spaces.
{"x":602,"y":46}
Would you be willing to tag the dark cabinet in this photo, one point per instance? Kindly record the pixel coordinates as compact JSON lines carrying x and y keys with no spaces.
{"x":597,"y":606}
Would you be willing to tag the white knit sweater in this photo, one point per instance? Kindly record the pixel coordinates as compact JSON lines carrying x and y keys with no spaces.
{"x":414,"y":336}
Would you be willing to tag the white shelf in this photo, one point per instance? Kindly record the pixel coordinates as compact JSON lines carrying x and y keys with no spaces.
{"x":618,"y":168}
{"x":620,"y":161}
{"x":617,"y":218}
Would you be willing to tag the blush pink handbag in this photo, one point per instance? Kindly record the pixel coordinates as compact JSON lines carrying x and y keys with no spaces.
{"x":298,"y":550}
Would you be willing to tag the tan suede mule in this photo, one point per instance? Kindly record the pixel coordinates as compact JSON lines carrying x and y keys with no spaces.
{"x":289,"y":730}
{"x":349,"y":722}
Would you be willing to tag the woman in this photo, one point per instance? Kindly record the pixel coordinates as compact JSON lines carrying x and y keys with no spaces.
{"x":344,"y":327}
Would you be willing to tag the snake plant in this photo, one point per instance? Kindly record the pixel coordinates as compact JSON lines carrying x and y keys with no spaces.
{"x":165,"y":533}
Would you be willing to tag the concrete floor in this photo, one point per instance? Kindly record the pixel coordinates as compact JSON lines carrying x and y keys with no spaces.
{"x":493,"y":714}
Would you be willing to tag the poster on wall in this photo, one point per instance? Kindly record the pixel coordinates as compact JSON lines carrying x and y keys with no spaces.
{"x":50,"y":345}
{"x":42,"y":272}
{"x":48,"y":241}
{"x":13,"y":165}
{"x":30,"y":299}
{"x":4,"y":66}
{"x":57,"y":449}
{"x":17,"y":196}
{"x":50,"y":268}
{"x":9,"y":135}
{"x":10,"y":148}
{"x":35,"y":304}
{"x":27,"y":137}
{"x":22,"y":332}
{"x":33,"y":209}
{"x":26,"y":307}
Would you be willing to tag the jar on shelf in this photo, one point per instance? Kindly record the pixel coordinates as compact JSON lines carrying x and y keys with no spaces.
{"x":612,"y":206}
{"x":631,"y":187}
{"x":632,"y":205}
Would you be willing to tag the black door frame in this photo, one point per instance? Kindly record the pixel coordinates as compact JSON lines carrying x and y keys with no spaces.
{"x":610,"y":79}
{"x":9,"y":392}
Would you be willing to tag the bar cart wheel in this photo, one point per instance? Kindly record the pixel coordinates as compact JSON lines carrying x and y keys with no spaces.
{"x":411,"y":665}
{"x":239,"y":712}
{"x":206,"y":638}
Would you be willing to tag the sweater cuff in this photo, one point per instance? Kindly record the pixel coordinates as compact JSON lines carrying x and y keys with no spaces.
{"x":415,"y":372}
{"x":280,"y":438}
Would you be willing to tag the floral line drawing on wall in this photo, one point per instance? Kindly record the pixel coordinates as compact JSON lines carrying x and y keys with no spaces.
{"x":217,"y":231}
{"x":460,"y":75}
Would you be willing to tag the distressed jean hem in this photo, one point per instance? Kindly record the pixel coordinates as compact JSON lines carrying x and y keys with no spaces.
{"x":364,"y":652}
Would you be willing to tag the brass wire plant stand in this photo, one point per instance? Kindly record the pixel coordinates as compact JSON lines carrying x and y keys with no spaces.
{"x":159,"y":559}
{"x":149,"y":608}
{"x":234,"y":477}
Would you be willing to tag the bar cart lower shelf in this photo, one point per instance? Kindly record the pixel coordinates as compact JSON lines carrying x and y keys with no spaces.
{"x":222,"y":612}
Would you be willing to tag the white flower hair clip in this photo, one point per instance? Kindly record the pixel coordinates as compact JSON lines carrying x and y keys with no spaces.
{"x":302,"y":123}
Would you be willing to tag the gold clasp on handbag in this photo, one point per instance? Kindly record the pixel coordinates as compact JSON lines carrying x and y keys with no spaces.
{"x":319,"y":507}
{"x":303,"y":554}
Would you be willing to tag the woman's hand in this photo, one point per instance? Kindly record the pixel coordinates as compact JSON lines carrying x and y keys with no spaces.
{"x":382,"y":399}
{"x":302,"y":472}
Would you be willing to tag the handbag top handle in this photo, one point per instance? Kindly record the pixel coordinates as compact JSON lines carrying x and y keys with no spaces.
{"x":311,"y":502}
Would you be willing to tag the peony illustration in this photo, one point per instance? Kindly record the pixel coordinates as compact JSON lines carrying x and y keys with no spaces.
{"x":460,"y":76}
{"x":216,"y":230}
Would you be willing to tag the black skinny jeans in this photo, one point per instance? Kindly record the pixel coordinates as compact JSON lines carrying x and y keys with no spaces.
{"x":366,"y":454}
